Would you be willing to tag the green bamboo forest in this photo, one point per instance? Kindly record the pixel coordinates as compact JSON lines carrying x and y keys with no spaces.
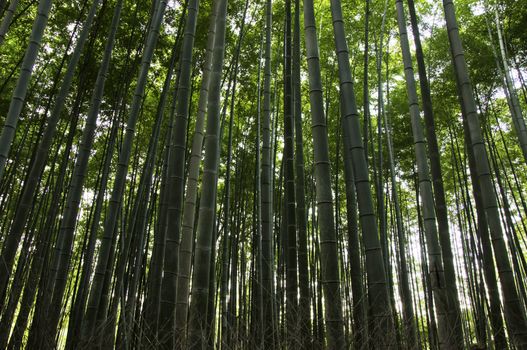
{"x":263,"y":174}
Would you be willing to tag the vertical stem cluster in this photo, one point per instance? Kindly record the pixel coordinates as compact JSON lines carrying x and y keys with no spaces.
{"x":198,"y":336}
{"x":382,"y":328}
{"x":513,"y":309}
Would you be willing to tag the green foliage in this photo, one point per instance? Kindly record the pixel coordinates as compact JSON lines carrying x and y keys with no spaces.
{"x":63,"y":30}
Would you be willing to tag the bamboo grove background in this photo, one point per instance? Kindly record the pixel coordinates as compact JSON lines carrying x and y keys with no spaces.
{"x":285,"y":174}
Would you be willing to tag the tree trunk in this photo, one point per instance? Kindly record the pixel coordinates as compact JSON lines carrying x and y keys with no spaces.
{"x":97,"y":297}
{"x":514,"y":314}
{"x":329,"y":258}
{"x":266,"y":194}
{"x":382,"y":328}
{"x":19,"y":94}
{"x":201,"y":275}
{"x":436,"y":272}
